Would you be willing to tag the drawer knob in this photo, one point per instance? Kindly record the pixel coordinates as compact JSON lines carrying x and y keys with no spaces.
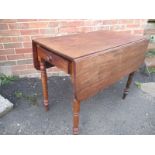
{"x":49,"y":58}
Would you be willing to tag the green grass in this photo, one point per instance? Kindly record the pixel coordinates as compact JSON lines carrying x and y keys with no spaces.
{"x":138,"y":84}
{"x":18,"y":94}
{"x":32,"y":99}
{"x":5,"y":79}
{"x":150,"y":53}
{"x":150,"y":70}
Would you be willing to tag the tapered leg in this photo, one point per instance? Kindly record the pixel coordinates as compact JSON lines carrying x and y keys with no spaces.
{"x":126,"y":90}
{"x":76,"y":111}
{"x":44,"y":83}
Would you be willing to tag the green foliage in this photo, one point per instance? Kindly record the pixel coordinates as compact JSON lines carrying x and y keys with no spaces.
{"x":4,"y":79}
{"x":150,"y":53}
{"x":18,"y":94}
{"x":32,"y":99}
{"x":150,"y":70}
{"x":138,"y":84}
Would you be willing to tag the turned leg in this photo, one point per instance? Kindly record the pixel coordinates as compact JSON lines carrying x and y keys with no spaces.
{"x":126,"y":90}
{"x":44,"y":83}
{"x":76,"y":110}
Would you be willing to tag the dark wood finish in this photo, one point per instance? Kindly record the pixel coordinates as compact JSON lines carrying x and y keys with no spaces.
{"x":95,"y":60}
{"x":76,"y":111}
{"x":126,"y":90}
{"x":80,"y":45}
{"x":102,"y":69}
{"x":35,"y":56}
{"x":54,"y":59}
{"x":44,"y":82}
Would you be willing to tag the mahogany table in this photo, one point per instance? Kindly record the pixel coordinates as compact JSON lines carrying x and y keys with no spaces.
{"x":94,"y":61}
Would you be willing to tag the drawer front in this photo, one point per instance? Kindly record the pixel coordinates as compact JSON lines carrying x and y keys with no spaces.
{"x":52,"y":58}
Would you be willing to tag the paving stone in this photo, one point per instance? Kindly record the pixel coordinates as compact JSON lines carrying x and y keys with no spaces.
{"x":5,"y":106}
{"x":148,"y":88}
{"x":150,"y":61}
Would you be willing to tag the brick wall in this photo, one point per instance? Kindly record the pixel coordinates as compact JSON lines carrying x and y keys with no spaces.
{"x":16,"y":36}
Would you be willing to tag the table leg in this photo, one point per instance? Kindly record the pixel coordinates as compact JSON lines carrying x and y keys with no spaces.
{"x":44,"y":83}
{"x":76,"y":111}
{"x":126,"y":90}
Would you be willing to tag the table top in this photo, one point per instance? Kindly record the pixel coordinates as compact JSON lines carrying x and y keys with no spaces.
{"x":84,"y":44}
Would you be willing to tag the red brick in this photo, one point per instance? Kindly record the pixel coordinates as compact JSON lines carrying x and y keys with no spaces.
{"x":2,"y":57}
{"x":24,"y":72}
{"x":23,"y":25}
{"x":8,"y":20}
{"x":132,"y":26}
{"x":7,"y":63}
{"x":19,"y":67}
{"x":53,"y":24}
{"x":86,"y":29}
{"x":144,"y":21}
{"x":105,"y":27}
{"x":27,"y":44}
{"x":1,"y":46}
{"x":30,"y":66}
{"x":10,"y":32}
{"x":140,"y":21}
{"x":88,"y":22}
{"x":52,"y":31}
{"x":20,"y":38}
{"x":23,"y":30}
{"x":28,"y":55}
{"x":5,"y":39}
{"x":15,"y":57}
{"x":24,"y":38}
{"x":29,"y":32}
{"x":40,"y":36}
{"x":69,"y":23}
{"x":13,"y":26}
{"x":98,"y":23}
{"x":23,"y":50}
{"x":6,"y":51}
{"x":94,"y":23}
{"x":3,"y":26}
{"x":109,"y":22}
{"x":126,"y":21}
{"x":118,"y":27}
{"x":137,"y":21}
{"x":26,"y":20}
{"x":46,"y":19}
{"x":34,"y":25}
{"x":13,"y":45}
{"x":26,"y":61}
{"x":68,"y":30}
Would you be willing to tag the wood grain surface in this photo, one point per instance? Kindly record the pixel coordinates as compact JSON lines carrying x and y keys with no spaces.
{"x":94,"y":60}
{"x":98,"y":71}
{"x":80,"y":45}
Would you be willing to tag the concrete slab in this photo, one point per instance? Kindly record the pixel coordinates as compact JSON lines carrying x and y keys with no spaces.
{"x":150,"y":61}
{"x":5,"y":106}
{"x":148,"y":88}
